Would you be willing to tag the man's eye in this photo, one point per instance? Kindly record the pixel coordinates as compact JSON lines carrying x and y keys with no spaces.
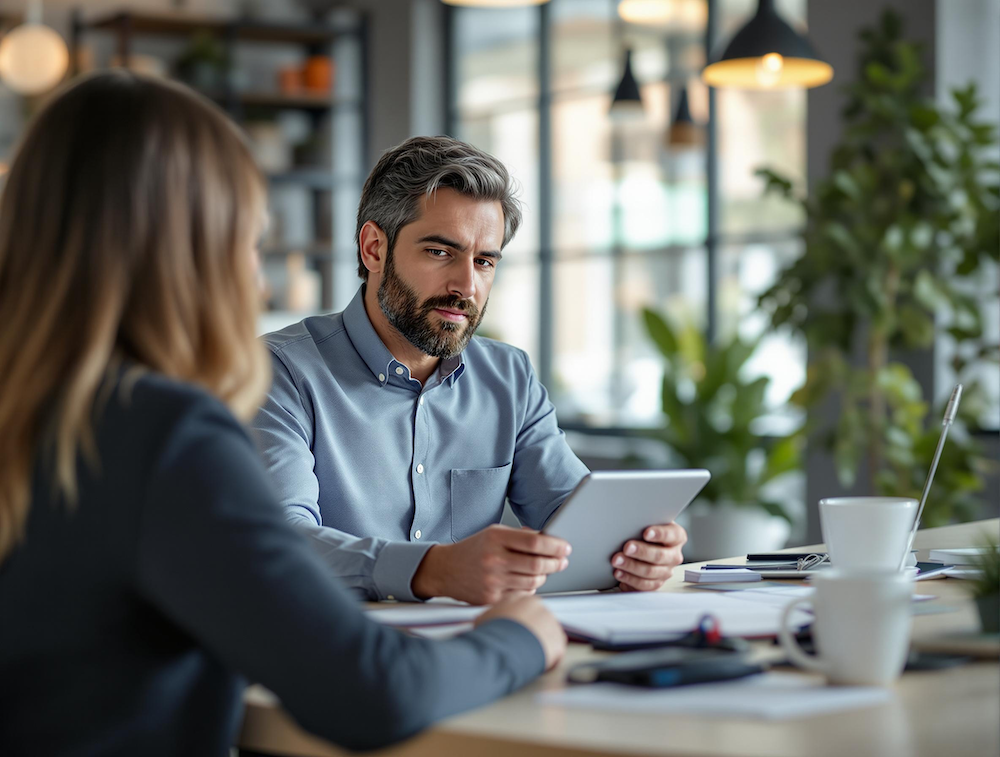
{"x":485,"y":261}
{"x":437,"y":253}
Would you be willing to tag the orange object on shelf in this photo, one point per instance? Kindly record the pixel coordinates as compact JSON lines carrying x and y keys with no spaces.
{"x":290,"y":79}
{"x":317,"y":73}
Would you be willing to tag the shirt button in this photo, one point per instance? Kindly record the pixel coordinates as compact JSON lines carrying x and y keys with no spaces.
{"x":381,"y":377}
{"x":421,"y":400}
{"x":390,"y":597}
{"x":399,"y":370}
{"x":420,"y":467}
{"x":416,"y":534}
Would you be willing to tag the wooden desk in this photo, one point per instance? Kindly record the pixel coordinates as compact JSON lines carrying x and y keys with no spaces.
{"x":952,"y":712}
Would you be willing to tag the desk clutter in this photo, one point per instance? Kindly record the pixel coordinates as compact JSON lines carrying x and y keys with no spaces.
{"x":771,"y":696}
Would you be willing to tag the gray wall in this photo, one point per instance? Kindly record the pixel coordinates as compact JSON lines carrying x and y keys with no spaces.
{"x":407,"y":61}
{"x":833,"y":27}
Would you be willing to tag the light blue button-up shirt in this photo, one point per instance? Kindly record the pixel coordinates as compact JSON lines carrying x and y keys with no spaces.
{"x":376,"y":467}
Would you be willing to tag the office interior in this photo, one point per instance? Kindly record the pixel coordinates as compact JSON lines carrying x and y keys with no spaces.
{"x":639,"y":212}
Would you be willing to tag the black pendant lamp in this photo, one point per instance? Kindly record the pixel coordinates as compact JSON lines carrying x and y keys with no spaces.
{"x":683,"y":131}
{"x":768,"y":54}
{"x":627,"y":102}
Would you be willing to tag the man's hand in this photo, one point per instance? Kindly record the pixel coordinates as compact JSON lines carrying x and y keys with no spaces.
{"x":487,"y":567}
{"x":533,"y":615}
{"x":646,"y":565}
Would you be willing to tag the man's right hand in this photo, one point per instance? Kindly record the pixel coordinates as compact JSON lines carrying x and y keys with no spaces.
{"x":495,"y":564}
{"x":533,"y":615}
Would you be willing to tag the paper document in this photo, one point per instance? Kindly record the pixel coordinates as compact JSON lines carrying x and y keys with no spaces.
{"x":628,"y":617}
{"x":720,"y":576}
{"x":741,"y":610}
{"x":773,"y":696}
{"x":651,"y":616}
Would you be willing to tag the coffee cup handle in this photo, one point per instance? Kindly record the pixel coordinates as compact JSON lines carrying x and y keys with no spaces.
{"x":791,"y":646}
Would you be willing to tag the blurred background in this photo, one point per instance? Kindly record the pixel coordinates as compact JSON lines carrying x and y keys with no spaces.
{"x":777,"y":280}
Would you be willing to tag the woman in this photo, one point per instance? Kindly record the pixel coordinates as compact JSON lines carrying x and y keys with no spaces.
{"x":144,"y":565}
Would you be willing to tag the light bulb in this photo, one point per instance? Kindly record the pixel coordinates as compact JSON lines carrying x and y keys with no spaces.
{"x":768,"y":69}
{"x":33,"y":58}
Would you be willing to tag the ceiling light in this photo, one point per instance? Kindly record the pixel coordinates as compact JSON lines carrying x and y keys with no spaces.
{"x":627,"y":102}
{"x":687,"y":14}
{"x":33,"y":57}
{"x":768,"y":54}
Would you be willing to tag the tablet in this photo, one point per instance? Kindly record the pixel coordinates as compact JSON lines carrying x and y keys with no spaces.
{"x":607,"y":509}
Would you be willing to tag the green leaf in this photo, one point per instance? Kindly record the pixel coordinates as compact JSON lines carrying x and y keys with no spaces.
{"x":661,"y":333}
{"x":927,"y":292}
{"x":773,"y":508}
{"x":924,"y":116}
{"x":784,"y":457}
{"x":916,"y":325}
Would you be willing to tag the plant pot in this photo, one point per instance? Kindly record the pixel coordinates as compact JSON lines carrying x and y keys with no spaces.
{"x":718,"y":531}
{"x":989,"y":612}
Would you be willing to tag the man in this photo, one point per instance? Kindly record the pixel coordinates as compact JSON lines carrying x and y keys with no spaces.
{"x":394,"y":437}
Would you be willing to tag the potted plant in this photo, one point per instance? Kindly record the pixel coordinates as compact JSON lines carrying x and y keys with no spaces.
{"x":897,"y":242}
{"x":986,"y":586}
{"x":710,"y":409}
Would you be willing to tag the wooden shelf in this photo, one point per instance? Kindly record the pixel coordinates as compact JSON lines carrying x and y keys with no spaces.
{"x":174,"y":25}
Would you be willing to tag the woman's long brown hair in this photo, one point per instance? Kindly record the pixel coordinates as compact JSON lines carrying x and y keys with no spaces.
{"x":127,"y":228}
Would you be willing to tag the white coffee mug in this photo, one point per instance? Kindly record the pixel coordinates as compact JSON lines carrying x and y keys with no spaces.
{"x":861,"y":629}
{"x":867,"y":532}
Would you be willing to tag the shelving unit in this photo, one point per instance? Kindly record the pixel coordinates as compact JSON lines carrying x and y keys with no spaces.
{"x":322,"y":182}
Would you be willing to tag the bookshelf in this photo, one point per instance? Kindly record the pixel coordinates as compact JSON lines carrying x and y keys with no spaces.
{"x":339,"y":119}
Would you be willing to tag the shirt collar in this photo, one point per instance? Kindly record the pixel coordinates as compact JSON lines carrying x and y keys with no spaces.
{"x":374,"y":352}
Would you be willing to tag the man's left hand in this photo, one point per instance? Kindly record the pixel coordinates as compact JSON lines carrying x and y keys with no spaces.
{"x":645,"y":565}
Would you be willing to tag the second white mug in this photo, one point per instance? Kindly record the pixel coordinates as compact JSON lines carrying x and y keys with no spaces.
{"x":861,"y":628}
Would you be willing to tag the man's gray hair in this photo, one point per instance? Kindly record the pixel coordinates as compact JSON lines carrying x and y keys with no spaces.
{"x":420,"y":166}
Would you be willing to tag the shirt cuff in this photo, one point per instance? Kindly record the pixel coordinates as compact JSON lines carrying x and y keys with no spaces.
{"x":394,"y":568}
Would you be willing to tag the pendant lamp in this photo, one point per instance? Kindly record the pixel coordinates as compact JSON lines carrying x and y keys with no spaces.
{"x":673,"y":14}
{"x":767,"y":54}
{"x":627,"y":102}
{"x":33,"y":57}
{"x":683,"y":131}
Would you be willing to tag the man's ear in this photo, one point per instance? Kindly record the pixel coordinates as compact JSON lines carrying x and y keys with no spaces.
{"x":374,"y":245}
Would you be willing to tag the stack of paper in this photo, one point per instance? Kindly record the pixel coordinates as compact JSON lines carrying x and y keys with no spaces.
{"x":703,"y":576}
{"x":958,"y":556}
{"x":646,"y":617}
{"x":628,"y":617}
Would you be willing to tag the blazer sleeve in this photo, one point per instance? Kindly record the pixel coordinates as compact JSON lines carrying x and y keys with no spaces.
{"x":218,"y":558}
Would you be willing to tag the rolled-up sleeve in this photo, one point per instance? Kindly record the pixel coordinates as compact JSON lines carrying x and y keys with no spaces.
{"x":377,"y":568}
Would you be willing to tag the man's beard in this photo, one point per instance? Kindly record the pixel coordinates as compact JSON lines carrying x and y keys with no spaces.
{"x":412,"y":318}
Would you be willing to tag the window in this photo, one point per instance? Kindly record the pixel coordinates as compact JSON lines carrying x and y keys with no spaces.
{"x":623,"y":223}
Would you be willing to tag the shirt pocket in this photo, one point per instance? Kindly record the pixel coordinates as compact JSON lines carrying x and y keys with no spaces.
{"x":477,"y":498}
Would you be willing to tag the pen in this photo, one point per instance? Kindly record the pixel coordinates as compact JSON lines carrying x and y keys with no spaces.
{"x":757,"y":566}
